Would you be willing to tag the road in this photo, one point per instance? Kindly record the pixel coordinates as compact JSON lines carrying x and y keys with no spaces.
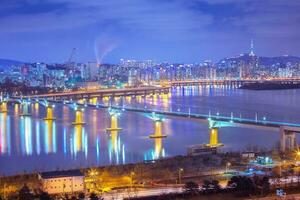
{"x":141,"y":192}
{"x":287,"y":197}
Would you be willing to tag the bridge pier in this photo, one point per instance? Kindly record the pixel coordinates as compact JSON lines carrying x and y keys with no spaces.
{"x":49,"y":113}
{"x":3,"y":107}
{"x":288,"y":140}
{"x":157,"y":129}
{"x":114,"y":114}
{"x":214,"y":138}
{"x":158,"y":136}
{"x":78,"y":117}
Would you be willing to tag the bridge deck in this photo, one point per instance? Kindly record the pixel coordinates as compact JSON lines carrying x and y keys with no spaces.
{"x":102,"y":92}
{"x":231,"y":120}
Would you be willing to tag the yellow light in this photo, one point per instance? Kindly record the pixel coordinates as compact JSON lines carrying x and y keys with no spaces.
{"x":213,"y":136}
{"x":36,"y":106}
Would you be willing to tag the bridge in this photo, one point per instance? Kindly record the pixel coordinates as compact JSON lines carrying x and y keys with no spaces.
{"x":237,"y":82}
{"x":165,"y":88}
{"x":99,"y":93}
{"x":287,"y":130}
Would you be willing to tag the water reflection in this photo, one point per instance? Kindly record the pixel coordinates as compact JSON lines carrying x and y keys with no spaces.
{"x":16,"y":109}
{"x":116,"y":149}
{"x":5,"y":139}
{"x":50,"y":137}
{"x":25,"y":138}
{"x":38,"y":137}
{"x":158,"y":150}
{"x":79,"y":141}
{"x":26,"y":135}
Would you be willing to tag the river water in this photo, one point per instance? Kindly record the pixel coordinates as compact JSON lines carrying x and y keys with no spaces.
{"x":29,"y":143}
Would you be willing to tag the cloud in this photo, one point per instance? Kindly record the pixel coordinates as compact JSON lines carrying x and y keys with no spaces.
{"x":157,"y":28}
{"x":135,"y":15}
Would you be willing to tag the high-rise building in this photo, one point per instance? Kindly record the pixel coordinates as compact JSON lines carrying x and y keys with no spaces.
{"x":92,"y":71}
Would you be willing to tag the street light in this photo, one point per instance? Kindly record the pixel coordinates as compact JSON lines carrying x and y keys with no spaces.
{"x":297,"y":154}
{"x":228,"y":164}
{"x":180,"y":170}
{"x":131,"y":177}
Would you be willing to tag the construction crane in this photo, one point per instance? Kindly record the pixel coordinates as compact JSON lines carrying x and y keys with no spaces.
{"x":70,"y":65}
{"x":71,"y":56}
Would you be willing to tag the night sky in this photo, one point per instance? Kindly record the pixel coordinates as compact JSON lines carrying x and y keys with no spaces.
{"x":162,"y":30}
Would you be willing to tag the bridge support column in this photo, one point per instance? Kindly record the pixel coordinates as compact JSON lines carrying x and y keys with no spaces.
{"x":3,"y":107}
{"x":214,"y":138}
{"x":157,"y":130}
{"x":157,"y":136}
{"x":114,"y":121}
{"x":49,"y":113}
{"x":288,"y":140}
{"x":78,"y":117}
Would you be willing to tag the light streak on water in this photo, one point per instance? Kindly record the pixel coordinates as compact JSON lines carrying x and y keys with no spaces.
{"x":38,"y":139}
{"x":8,"y":134}
{"x":98,"y":149}
{"x":54,"y":147}
{"x":27,"y":135}
{"x":5,"y":134}
{"x":85,"y":145}
{"x":123,"y":153}
{"x":65,"y":141}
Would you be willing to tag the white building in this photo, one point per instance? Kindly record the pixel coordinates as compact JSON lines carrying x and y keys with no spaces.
{"x":62,"y":181}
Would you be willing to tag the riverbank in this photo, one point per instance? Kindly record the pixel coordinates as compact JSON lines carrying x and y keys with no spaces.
{"x":156,"y":173}
{"x":157,"y":179}
{"x":270,"y":86}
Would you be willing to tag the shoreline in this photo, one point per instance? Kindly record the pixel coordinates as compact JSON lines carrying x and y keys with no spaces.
{"x":270,"y":86}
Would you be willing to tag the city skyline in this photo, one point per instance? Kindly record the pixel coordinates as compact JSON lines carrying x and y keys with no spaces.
{"x":174,"y":31}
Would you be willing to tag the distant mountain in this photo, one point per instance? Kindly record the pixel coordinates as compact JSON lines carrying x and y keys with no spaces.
{"x":283,"y":60}
{"x":264,"y":61}
{"x":7,"y":63}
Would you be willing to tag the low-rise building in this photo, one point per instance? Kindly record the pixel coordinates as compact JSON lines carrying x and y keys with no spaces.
{"x":62,"y":181}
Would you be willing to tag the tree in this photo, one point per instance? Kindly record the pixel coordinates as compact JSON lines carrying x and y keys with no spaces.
{"x":206,"y":184}
{"x":216,"y":185}
{"x":81,"y":196}
{"x":25,"y":193}
{"x":66,"y":197}
{"x":44,"y":196}
{"x":73,"y":198}
{"x":191,"y":187}
{"x":93,"y":196}
{"x":243,"y":185}
{"x":265,"y":185}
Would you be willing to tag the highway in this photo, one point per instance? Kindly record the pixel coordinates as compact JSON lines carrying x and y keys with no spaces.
{"x":141,"y":192}
{"x":119,"y":195}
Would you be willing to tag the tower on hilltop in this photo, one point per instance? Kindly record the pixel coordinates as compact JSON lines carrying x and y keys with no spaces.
{"x":252,"y":48}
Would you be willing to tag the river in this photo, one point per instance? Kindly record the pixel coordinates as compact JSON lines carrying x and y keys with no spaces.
{"x":29,"y":143}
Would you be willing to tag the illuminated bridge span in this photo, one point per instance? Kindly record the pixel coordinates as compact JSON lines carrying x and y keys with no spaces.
{"x":100,"y":93}
{"x":234,"y":121}
{"x":287,"y":130}
{"x":237,"y":82}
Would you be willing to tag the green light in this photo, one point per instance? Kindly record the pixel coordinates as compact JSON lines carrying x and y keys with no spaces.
{"x":155,"y":117}
{"x":114,"y":112}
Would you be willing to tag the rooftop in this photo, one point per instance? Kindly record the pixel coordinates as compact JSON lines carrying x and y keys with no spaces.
{"x":58,"y":174}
